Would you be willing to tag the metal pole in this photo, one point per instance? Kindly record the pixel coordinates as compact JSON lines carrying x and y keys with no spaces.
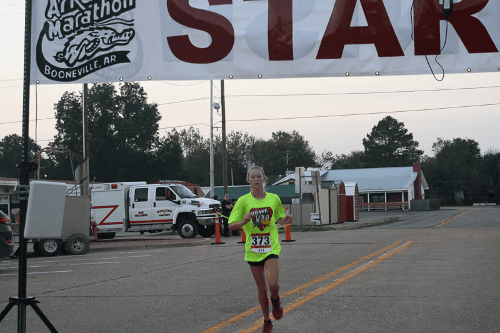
{"x":211,"y":141}
{"x":316,"y":175}
{"x":300,"y":190}
{"x":85,"y":186}
{"x":24,"y":177}
{"x":36,"y":117}
{"x":224,"y":154}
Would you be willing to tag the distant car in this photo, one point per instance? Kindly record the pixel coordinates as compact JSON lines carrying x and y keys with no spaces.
{"x":6,"y":238}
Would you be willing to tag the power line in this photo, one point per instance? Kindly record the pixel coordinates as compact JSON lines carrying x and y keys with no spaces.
{"x":189,"y":100}
{"x":11,"y":80}
{"x":340,"y":94}
{"x":20,"y":121}
{"x":160,"y":128}
{"x":367,"y":93}
{"x":332,"y":115}
{"x":367,"y":113}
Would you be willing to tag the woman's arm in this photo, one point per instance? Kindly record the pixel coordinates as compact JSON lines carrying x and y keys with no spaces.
{"x":238,"y":225}
{"x":286,"y":220}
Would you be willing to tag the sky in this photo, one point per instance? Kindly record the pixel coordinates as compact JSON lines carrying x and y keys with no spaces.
{"x":332,"y":114}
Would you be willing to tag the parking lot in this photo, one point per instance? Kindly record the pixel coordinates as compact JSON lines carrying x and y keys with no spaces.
{"x":423,"y":272}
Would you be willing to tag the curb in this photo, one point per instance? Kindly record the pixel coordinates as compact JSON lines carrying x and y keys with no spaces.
{"x":143,"y":244}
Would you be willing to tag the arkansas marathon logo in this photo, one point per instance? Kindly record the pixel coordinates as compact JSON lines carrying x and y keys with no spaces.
{"x":80,"y":37}
{"x":261,"y":217}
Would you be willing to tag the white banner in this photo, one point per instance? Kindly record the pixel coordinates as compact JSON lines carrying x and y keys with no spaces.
{"x":139,"y":40}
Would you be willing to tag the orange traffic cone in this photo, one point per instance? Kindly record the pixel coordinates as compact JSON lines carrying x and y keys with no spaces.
{"x":288,"y":236}
{"x":243,"y":237}
{"x":217,"y":231}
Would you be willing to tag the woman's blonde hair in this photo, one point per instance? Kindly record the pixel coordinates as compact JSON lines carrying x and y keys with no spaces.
{"x":261,"y":170}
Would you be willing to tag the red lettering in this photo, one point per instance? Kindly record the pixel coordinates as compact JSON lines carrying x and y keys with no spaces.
{"x":279,"y":29}
{"x":219,"y":28}
{"x":470,"y":30}
{"x":378,"y":32}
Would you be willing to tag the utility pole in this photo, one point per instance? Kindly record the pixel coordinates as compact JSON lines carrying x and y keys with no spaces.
{"x":224,"y":153}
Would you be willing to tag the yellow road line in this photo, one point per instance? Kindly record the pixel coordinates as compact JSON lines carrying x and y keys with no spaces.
{"x":451,"y":219}
{"x":293,"y":291}
{"x":329,"y":287}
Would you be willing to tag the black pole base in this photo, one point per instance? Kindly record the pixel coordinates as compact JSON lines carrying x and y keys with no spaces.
{"x":32,"y":301}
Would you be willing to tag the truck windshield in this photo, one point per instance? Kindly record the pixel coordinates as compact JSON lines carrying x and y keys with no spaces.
{"x":182,"y":191}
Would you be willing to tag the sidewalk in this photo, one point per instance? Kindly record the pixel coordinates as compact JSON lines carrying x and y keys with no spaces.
{"x":135,"y":241}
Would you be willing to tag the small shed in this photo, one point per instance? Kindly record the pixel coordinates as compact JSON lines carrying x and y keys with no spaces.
{"x":342,"y":212}
{"x":352,"y":201}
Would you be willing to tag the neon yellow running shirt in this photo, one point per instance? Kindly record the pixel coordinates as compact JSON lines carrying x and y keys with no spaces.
{"x":261,"y":232}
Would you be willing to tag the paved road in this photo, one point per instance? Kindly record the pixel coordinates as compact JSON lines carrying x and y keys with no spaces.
{"x":429,"y":272}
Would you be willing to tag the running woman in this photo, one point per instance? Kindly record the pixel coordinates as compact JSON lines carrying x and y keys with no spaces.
{"x":262,"y":247}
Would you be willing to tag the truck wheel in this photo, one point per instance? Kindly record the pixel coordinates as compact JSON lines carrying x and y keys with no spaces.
{"x":188,"y":229}
{"x":106,"y":235}
{"x":78,"y":244}
{"x":206,"y":231}
{"x":49,"y":247}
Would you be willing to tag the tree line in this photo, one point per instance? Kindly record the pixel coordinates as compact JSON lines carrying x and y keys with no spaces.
{"x":125,"y":145}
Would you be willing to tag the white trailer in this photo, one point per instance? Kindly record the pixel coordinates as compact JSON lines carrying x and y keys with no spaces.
{"x":141,"y":207}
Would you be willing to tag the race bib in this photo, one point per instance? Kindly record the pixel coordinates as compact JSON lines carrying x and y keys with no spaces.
{"x":261,"y":243}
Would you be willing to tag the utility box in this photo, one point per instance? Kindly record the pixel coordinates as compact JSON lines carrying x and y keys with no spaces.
{"x":56,"y":222}
{"x":44,"y":217}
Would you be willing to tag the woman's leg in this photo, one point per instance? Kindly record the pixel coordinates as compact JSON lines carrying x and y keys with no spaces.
{"x":272,"y":274}
{"x":260,"y":278}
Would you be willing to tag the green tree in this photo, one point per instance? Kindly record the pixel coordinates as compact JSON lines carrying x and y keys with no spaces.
{"x":453,"y":173}
{"x":284,"y":151}
{"x":11,"y":154}
{"x":196,"y":164}
{"x":389,"y":145}
{"x":238,"y":145}
{"x":355,"y":160}
{"x":490,"y":178}
{"x":123,"y":129}
{"x":168,"y":157}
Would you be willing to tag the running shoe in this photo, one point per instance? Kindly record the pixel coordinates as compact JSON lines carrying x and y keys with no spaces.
{"x":277,"y":310}
{"x":268,"y":326}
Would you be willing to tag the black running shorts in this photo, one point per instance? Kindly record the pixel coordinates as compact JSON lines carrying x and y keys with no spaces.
{"x":261,"y":263}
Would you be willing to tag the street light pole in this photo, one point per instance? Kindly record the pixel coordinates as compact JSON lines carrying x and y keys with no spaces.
{"x":224,"y":152}
{"x":211,"y":141}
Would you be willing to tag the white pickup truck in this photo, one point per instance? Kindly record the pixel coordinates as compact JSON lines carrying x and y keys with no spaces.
{"x":141,"y":207}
